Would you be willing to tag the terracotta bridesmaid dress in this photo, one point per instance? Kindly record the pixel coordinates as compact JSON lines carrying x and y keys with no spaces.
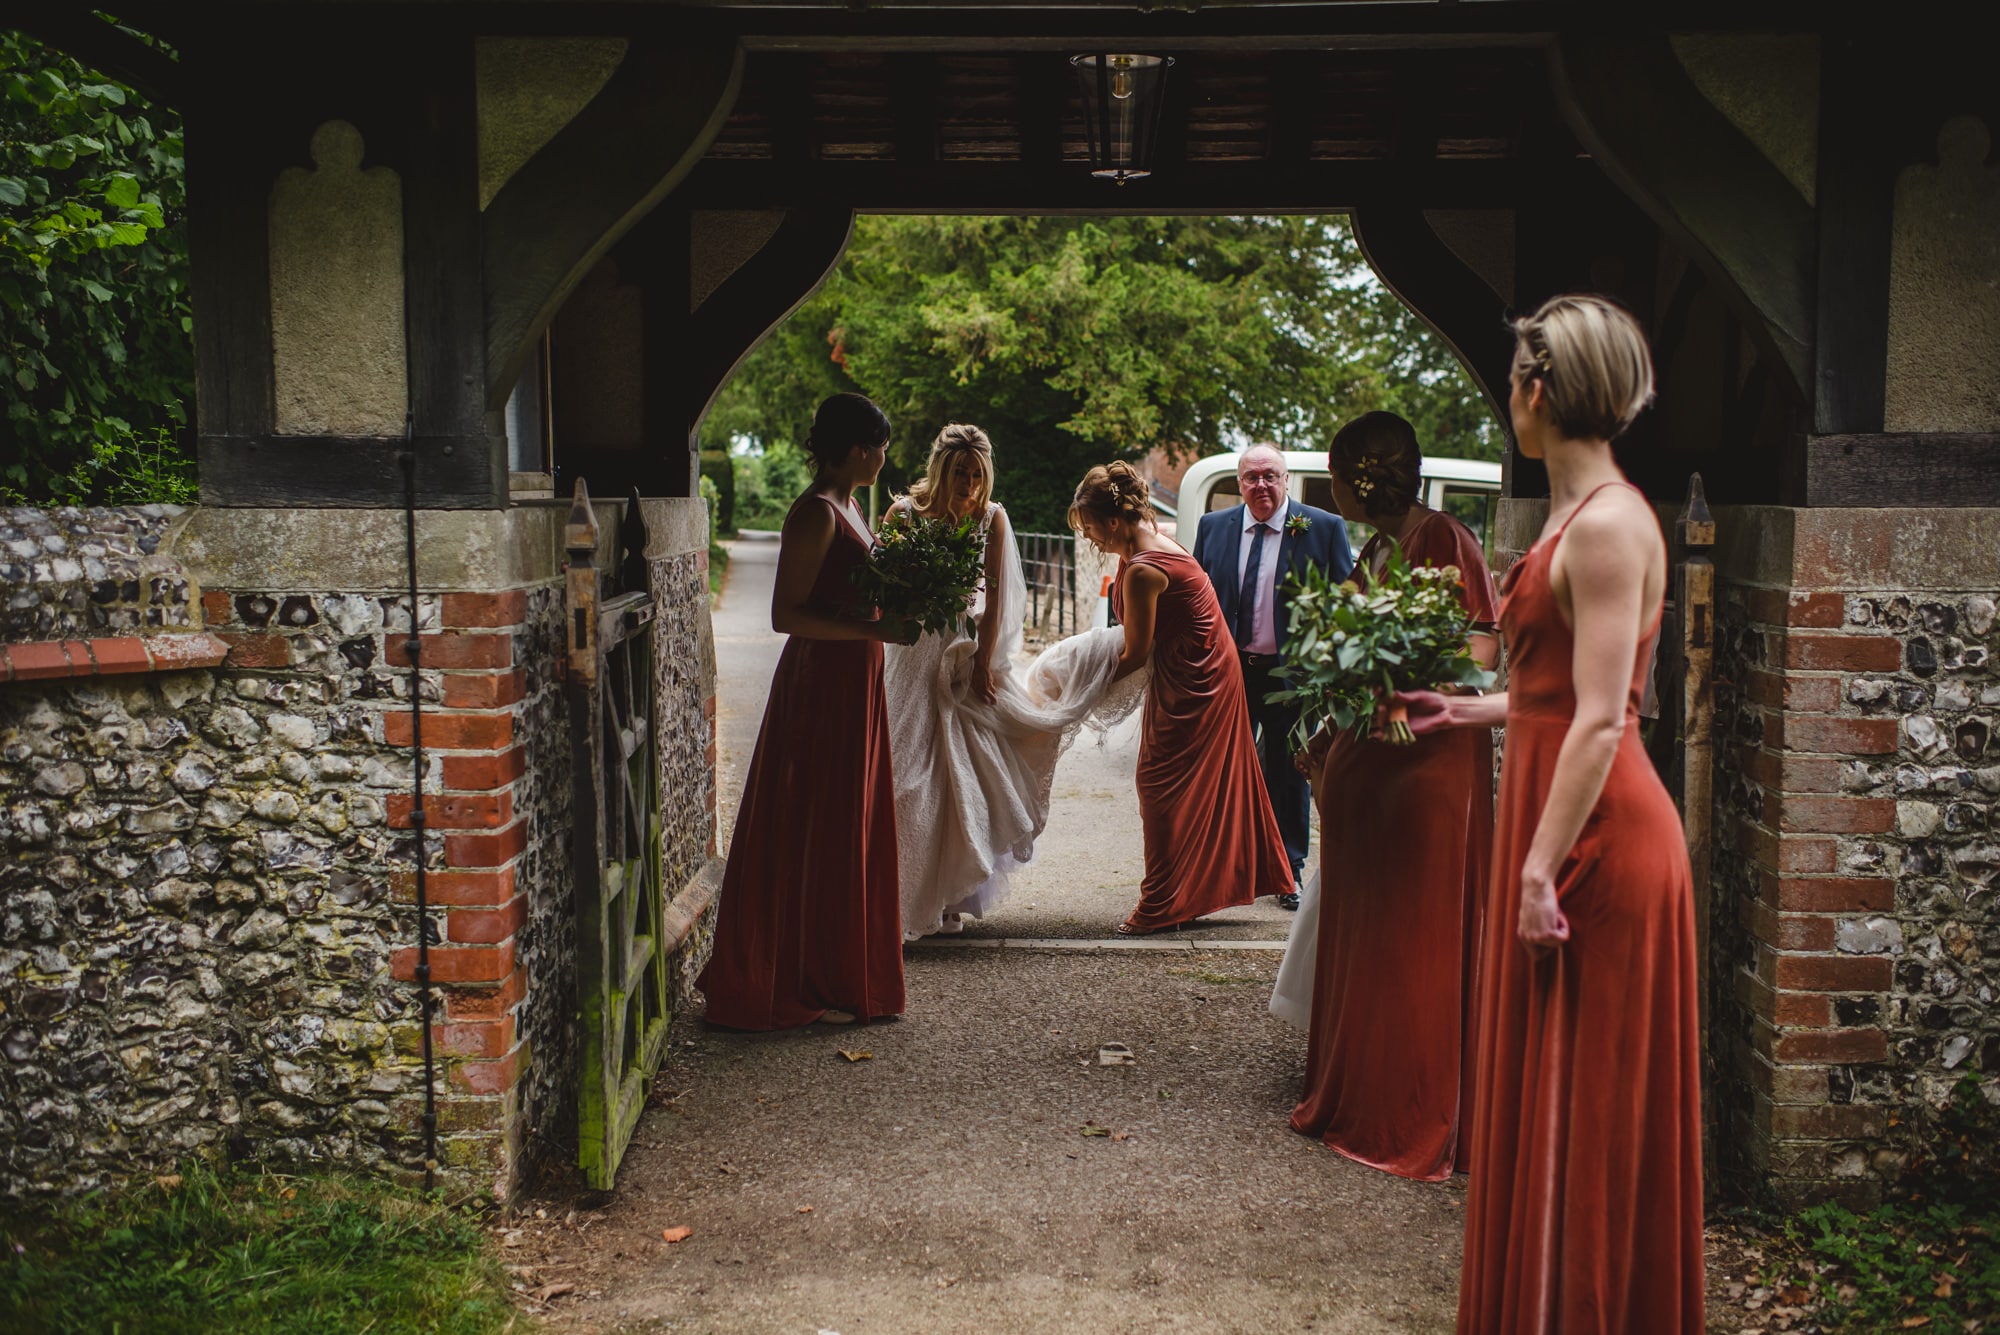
{"x":1405,"y":837}
{"x":1585,"y":1209}
{"x":1211,"y":840}
{"x":810,"y":918}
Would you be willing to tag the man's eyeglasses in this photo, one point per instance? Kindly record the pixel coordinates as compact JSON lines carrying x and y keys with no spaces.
{"x":1262,"y":479}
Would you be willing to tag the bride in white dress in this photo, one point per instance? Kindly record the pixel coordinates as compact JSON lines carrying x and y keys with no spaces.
{"x":973,"y":739}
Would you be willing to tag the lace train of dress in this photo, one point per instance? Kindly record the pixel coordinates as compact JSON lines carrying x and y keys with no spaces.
{"x":973,"y":779}
{"x":1292,"y":997}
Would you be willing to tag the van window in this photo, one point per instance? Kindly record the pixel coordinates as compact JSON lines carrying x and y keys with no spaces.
{"x":1475,"y":509}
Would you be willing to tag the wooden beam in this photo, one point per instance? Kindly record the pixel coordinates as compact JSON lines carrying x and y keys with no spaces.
{"x":601,"y":173}
{"x":1068,"y":187}
{"x":103,"y":46}
{"x":1855,"y":196}
{"x":1635,"y":110}
{"x":754,"y":300}
{"x":913,"y":101}
{"x":1927,"y":470}
{"x":443,"y":304}
{"x":1443,"y":292}
{"x":350,"y":472}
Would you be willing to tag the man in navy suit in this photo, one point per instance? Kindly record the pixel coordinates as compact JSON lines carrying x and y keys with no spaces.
{"x":1248,"y":550}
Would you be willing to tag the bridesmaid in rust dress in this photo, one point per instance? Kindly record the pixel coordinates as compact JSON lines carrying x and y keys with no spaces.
{"x":1585,"y":1208}
{"x":810,"y":925}
{"x":1211,"y":840}
{"x":1405,"y":833}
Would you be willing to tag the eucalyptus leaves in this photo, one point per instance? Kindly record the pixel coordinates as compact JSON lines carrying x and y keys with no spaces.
{"x":1351,"y":648}
{"x":925,"y":570}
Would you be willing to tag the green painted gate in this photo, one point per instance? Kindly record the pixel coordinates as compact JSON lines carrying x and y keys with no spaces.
{"x":622,"y":987}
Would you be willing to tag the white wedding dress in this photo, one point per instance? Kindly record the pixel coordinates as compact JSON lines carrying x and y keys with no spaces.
{"x":973,"y":779}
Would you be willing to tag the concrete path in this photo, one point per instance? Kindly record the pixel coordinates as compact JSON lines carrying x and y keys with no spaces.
{"x":977,"y":1167}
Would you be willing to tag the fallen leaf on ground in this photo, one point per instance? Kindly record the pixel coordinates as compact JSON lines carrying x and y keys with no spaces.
{"x":1116,"y":1054}
{"x":1121,"y":1135}
{"x":1945,"y":1279}
{"x":168,"y":1181}
{"x":1912,"y":1322}
{"x":1093,"y":1129}
{"x":805,"y":1209}
{"x":678,"y":1233}
{"x":548,"y":1291}
{"x":854,"y":1055}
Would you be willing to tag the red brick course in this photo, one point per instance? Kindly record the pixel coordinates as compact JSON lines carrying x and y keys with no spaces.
{"x":1828,"y":894}
{"x":474,"y":1038}
{"x":1797,"y":607}
{"x":491,"y":1077}
{"x":486,"y":1003}
{"x":451,"y":732}
{"x":1824,"y":973}
{"x":1838,"y":736}
{"x":458,"y":964}
{"x":256,"y":651}
{"x":485,"y":609}
{"x":1801,"y":693}
{"x":453,"y":811}
{"x":453,"y":651}
{"x":1839,"y":653}
{"x":1844,"y":1046}
{"x":486,"y":926}
{"x":487,"y":850}
{"x":485,"y":772}
{"x":474,"y":889}
{"x":48,"y":660}
{"x":484,"y":690}
{"x":1795,"y":814}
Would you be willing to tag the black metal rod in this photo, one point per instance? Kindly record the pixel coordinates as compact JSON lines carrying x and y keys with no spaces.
{"x":414,"y":645}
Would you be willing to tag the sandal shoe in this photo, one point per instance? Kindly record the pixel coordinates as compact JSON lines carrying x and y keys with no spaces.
{"x":836,"y":1017}
{"x":1127,"y":929}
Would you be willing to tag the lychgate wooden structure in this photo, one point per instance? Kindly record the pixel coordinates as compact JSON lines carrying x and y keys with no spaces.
{"x":547,"y":231}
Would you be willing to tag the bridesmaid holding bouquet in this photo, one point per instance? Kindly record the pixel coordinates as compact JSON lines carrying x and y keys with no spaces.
{"x":1404,"y":836}
{"x":1585,"y":1209}
{"x":810,"y":926}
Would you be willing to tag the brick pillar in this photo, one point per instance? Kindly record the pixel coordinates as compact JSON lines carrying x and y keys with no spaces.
{"x":479,"y":905}
{"x":1855,"y":793}
{"x":1812,"y":770}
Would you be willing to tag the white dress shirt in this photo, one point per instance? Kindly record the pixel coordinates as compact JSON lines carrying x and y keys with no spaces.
{"x":1262,"y":600}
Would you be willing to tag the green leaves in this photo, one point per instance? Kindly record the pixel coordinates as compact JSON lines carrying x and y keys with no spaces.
{"x":95,"y":353}
{"x":1076,"y":340}
{"x":1348,"y":648}
{"x":925,"y":570}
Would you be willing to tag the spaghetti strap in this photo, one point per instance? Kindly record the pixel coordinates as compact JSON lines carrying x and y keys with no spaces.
{"x":1571,"y":517}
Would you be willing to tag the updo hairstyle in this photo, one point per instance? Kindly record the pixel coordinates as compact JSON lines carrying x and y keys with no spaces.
{"x":1377,"y":456}
{"x":1111,"y":491}
{"x":842,"y":424}
{"x":954,"y":444}
{"x":1591,"y":357}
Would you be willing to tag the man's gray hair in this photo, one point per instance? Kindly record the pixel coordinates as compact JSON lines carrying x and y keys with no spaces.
{"x":1269,"y":447}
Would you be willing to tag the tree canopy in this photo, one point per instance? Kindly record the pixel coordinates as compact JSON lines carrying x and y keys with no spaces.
{"x":1074,"y":340}
{"x":96,"y":353}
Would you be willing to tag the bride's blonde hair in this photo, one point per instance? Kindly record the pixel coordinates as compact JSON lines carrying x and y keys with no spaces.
{"x":948,"y":454}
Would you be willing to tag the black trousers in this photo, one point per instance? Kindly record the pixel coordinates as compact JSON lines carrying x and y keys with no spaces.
{"x":1290,"y":794}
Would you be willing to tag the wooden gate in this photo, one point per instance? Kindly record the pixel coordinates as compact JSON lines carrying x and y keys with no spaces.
{"x":622,"y":986}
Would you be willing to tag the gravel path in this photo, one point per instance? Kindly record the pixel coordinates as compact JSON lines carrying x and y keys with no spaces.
{"x":980,"y":1169}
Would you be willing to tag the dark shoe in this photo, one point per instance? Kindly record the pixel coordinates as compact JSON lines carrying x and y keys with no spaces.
{"x":1289,"y":902}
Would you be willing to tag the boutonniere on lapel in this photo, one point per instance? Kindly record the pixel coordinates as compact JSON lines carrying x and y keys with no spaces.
{"x":1296,"y":525}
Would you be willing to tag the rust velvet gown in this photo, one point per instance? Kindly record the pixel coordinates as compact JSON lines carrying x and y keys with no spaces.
{"x":1584,"y":1215}
{"x":1211,"y":840}
{"x":1405,"y":838}
{"x":810,"y":918}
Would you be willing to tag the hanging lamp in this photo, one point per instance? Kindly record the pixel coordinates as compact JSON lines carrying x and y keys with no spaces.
{"x":1122,"y":99}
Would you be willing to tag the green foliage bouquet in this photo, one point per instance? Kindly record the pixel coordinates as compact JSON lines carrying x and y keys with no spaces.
{"x":1351,"y":648}
{"x":925,"y":570}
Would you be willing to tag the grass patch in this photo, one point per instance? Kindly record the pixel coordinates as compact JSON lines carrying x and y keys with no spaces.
{"x":718,"y":566}
{"x":250,"y":1255}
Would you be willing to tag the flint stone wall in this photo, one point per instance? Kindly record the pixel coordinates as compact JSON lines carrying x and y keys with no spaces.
{"x":73,"y":573}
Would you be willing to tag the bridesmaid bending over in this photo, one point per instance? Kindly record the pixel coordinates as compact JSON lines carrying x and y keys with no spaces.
{"x":1211,"y":840}
{"x":1585,"y":1208}
{"x":1405,"y":834}
{"x":809,"y":926}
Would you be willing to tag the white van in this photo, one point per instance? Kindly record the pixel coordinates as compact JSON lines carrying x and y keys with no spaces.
{"x":1468,"y":489}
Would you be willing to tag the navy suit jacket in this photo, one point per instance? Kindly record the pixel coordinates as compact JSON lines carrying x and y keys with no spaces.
{"x":1219,"y":541}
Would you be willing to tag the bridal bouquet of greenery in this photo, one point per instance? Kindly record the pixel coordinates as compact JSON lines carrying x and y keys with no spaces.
{"x":924,"y":569}
{"x":1349,"y":648}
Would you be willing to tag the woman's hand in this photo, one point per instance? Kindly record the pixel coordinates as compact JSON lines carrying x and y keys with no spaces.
{"x":1428,"y":711}
{"x":897,"y":629}
{"x":1542,"y":926}
{"x":981,"y":680}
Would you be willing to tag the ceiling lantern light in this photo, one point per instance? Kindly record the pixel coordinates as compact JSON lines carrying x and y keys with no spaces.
{"x":1122,"y":98}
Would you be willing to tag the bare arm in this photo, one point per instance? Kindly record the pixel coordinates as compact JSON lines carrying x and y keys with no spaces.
{"x":1143,"y":587}
{"x":809,"y":535}
{"x":1603,"y":563}
{"x":990,"y":619}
